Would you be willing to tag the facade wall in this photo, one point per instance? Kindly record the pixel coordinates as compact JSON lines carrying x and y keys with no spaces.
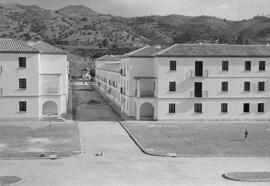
{"x":235,"y":96}
{"x":11,"y":73}
{"x":109,"y":83}
{"x":55,"y":65}
{"x":183,"y":97}
{"x":38,"y":74}
{"x":184,"y":109}
{"x":10,"y":107}
{"x":134,"y":67}
{"x":54,"y":81}
{"x":235,"y":76}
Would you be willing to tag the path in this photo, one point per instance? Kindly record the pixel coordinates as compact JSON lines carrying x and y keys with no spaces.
{"x":89,"y":105}
{"x":124,"y":164}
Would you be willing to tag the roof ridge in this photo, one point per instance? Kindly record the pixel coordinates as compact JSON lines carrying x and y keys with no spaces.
{"x":47,"y":48}
{"x":15,"y":45}
{"x":25,"y":44}
{"x":139,"y":49}
{"x":160,"y":52}
{"x":215,"y":50}
{"x":225,"y":44}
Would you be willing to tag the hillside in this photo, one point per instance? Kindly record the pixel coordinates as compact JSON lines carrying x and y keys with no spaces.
{"x":85,"y":32}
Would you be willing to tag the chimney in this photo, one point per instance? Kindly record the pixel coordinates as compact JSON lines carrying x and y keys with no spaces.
{"x":158,"y":46}
{"x":29,"y":43}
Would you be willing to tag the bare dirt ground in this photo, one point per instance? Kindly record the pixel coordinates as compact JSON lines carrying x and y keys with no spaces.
{"x":29,"y":140}
{"x":203,"y":139}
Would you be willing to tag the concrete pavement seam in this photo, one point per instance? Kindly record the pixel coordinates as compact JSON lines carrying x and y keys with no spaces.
{"x":81,"y":138}
{"x":244,"y":180}
{"x":139,"y":145}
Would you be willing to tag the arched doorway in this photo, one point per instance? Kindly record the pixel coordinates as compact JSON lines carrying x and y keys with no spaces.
{"x":49,"y":108}
{"x":147,"y":111}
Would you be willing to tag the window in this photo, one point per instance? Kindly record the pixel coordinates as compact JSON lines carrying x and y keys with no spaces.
{"x":261,"y":86}
{"x":22,"y":106}
{"x":260,"y":107}
{"x":22,"y":83}
{"x":246,"y":107}
{"x":224,"y":86}
{"x":225,"y":65}
{"x":247,"y":65}
{"x":198,"y":68}
{"x":22,"y":62}
{"x":172,"y":65}
{"x":198,"y":89}
{"x":171,"y":108}
{"x":198,"y":108}
{"x":224,"y":107}
{"x":172,"y":86}
{"x":246,"y":86}
{"x":261,"y":65}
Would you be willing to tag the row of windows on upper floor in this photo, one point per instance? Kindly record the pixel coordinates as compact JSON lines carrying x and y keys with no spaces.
{"x":225,"y":65}
{"x":22,"y":63}
{"x":198,"y":108}
{"x":224,"y":86}
{"x":111,"y":82}
{"x":23,"y":85}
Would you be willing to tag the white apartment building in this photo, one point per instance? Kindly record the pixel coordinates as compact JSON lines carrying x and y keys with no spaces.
{"x":33,"y":79}
{"x":197,"y":82}
{"x":108,"y":77}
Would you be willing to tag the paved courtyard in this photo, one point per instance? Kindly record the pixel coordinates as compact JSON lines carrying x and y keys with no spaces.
{"x":124,"y":164}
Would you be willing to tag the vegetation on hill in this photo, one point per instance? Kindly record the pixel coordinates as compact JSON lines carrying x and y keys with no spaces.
{"x":84,"y":32}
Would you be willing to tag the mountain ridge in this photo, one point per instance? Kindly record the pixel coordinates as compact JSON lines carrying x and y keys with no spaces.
{"x":83,"y":31}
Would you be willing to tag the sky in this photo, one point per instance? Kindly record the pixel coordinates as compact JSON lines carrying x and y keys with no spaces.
{"x":229,"y":9}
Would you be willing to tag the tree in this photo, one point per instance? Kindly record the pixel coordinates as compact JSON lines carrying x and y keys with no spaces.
{"x":105,"y":43}
{"x":242,"y":39}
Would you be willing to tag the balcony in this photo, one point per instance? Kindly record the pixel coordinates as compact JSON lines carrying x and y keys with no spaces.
{"x":145,"y":93}
{"x":51,"y":91}
{"x":204,"y":94}
{"x":204,"y":74}
{"x":145,"y":87}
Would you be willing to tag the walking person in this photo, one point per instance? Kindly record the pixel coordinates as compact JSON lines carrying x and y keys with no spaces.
{"x":246,"y":134}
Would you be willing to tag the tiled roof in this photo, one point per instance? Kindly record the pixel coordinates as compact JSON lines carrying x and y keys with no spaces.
{"x":46,"y":48}
{"x":113,"y":67}
{"x":15,"y":46}
{"x":148,"y":51}
{"x":212,"y":50}
{"x":109,"y":58}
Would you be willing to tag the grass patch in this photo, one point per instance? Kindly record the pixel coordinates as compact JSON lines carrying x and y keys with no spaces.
{"x":203,"y":140}
{"x":30,"y":141}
